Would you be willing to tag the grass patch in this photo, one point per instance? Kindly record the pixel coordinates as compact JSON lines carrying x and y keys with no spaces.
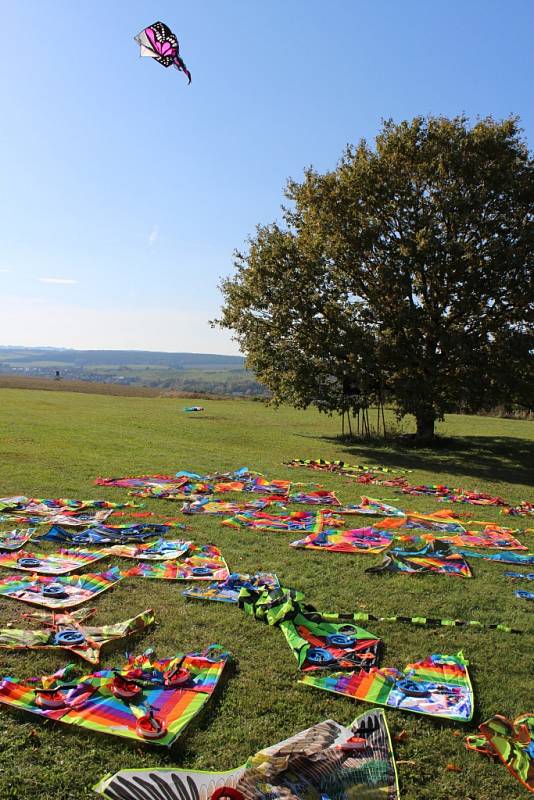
{"x":56,"y":443}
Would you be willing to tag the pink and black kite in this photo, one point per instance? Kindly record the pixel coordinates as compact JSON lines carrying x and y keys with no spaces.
{"x":159,"y":42}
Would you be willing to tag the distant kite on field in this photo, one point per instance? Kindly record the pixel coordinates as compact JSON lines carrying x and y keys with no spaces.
{"x":159,"y":42}
{"x":193,"y":408}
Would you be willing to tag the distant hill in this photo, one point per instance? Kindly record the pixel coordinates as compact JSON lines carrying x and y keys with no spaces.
{"x":83,"y":358}
{"x":206,"y":372}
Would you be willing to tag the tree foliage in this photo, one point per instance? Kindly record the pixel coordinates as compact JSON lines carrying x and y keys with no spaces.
{"x":407,"y":270}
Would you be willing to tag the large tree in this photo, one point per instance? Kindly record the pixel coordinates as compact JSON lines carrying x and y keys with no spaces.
{"x":407,"y":269}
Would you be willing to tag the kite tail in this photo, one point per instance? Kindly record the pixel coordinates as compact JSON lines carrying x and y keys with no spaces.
{"x":180,"y":65}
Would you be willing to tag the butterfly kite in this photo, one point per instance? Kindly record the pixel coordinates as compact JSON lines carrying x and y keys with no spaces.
{"x":159,"y":42}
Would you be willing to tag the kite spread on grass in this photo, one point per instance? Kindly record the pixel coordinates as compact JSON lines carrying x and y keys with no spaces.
{"x":325,"y":761}
{"x":15,"y":539}
{"x":69,"y":631}
{"x":512,"y":742}
{"x":110,"y":534}
{"x":198,"y":563}
{"x":435,"y":558}
{"x":144,"y":700}
{"x":59,"y":563}
{"x":58,"y":592}
{"x":438,"y":686}
{"x":228,"y":591}
{"x":359,"y":540}
{"x":317,"y":640}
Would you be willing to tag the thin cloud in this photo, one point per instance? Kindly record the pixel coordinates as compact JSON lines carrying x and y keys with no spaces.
{"x":63,"y":281}
{"x":154,"y":235}
{"x":5,"y":269}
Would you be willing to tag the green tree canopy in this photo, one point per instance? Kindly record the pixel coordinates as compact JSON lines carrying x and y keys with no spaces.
{"x":406,"y":270}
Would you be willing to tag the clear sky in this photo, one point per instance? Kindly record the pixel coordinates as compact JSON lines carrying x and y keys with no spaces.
{"x":125,"y":191}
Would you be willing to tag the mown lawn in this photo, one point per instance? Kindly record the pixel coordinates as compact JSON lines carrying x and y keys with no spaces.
{"x":55,"y":443}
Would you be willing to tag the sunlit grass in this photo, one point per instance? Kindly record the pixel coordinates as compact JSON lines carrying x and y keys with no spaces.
{"x":56,"y":443}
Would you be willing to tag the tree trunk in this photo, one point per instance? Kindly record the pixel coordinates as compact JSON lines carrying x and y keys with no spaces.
{"x":425,"y":424}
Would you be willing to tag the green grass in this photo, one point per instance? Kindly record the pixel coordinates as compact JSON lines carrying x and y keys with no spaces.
{"x":56,"y":443}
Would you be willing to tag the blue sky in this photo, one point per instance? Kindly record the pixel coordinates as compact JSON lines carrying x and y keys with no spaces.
{"x":125,"y":190}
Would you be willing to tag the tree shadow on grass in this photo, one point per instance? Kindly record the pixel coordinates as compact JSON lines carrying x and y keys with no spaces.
{"x":489,"y":458}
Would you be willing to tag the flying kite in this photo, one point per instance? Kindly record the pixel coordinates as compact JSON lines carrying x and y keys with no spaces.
{"x":159,"y":42}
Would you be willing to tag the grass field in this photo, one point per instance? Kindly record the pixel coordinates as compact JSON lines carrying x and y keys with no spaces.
{"x":55,"y":443}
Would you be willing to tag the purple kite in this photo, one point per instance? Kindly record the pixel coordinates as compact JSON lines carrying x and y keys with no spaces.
{"x":159,"y":42}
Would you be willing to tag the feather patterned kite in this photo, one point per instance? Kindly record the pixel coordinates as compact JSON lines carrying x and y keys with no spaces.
{"x":160,"y":43}
{"x":325,"y":761}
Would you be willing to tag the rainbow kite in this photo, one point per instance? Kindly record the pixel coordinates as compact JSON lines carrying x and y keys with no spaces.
{"x":369,"y":506}
{"x":439,"y":686}
{"x":59,"y":563}
{"x":203,"y":563}
{"x":490,"y":537}
{"x":228,"y":591}
{"x":436,"y":558}
{"x":317,"y":498}
{"x":325,"y":761}
{"x":62,"y":592}
{"x":215,"y":505}
{"x":67,"y":631}
{"x":441,"y":522}
{"x":15,"y":539}
{"x":160,"y":550}
{"x":146,"y":701}
{"x":37,"y":506}
{"x":359,"y":540}
{"x":283,"y":523}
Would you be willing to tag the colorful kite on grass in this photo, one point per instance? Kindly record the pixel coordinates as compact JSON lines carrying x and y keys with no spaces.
{"x":34,"y":506}
{"x":62,"y":592}
{"x":317,"y":640}
{"x":268,"y":487}
{"x":70,"y":519}
{"x":160,"y":43}
{"x":59,"y":563}
{"x":317,"y":498}
{"x":215,"y":505}
{"x":110,"y":534}
{"x":160,"y":550}
{"x":371,"y":507}
{"x":68,"y":631}
{"x":202,"y":563}
{"x":359,"y":540}
{"x":510,"y":742}
{"x":228,"y":591}
{"x":439,"y":522}
{"x":340,"y":467}
{"x":166,"y":487}
{"x":523,"y":509}
{"x":436,"y":558}
{"x":145,"y":701}
{"x":325,"y":761}
{"x":283,"y":523}
{"x":439,"y":686}
{"x":490,"y":537}
{"x":521,"y":559}
{"x":190,"y":409}
{"x":191,"y":486}
{"x":15,"y":539}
